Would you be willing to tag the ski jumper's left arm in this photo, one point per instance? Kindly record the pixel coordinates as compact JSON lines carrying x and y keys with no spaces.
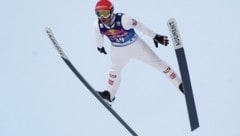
{"x":129,"y":23}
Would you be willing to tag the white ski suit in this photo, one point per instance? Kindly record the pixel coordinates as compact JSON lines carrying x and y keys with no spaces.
{"x":126,"y":44}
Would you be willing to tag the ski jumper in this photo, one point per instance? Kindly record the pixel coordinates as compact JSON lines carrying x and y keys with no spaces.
{"x":126,"y":44}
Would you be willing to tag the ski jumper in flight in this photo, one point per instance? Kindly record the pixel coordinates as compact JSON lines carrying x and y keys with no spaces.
{"x":126,"y":44}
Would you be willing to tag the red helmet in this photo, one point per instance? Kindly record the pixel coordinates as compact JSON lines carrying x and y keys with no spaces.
{"x":104,"y":5}
{"x":104,"y":11}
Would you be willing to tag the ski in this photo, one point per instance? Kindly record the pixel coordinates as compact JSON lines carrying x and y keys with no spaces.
{"x":182,"y":62}
{"x":88,"y":86}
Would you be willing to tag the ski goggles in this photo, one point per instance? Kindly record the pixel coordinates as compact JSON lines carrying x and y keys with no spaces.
{"x":103,"y":13}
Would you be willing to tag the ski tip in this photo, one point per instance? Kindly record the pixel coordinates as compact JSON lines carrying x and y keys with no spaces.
{"x":48,"y":29}
{"x":171,"y":20}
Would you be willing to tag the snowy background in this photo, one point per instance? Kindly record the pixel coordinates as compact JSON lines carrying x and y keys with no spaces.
{"x":40,"y":96}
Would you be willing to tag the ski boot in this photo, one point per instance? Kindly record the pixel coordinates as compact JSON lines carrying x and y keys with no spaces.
{"x":106,"y":97}
{"x":181,"y":88}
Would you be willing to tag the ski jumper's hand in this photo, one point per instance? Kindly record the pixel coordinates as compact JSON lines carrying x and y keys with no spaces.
{"x":160,"y":39}
{"x":102,"y":50}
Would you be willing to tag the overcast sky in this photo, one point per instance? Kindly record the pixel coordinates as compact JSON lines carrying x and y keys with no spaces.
{"x":40,"y":96}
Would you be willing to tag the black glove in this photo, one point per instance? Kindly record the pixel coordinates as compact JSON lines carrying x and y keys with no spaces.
{"x":102,"y":50}
{"x":160,"y":39}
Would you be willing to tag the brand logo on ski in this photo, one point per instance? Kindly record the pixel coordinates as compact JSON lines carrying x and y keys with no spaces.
{"x":174,"y":33}
{"x":55,"y":43}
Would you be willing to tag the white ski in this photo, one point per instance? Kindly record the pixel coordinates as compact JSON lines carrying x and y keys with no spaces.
{"x":182,"y":62}
{"x":82,"y":79}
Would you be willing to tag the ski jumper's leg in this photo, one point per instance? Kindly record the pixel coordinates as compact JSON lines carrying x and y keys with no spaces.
{"x":119,"y":58}
{"x":146,"y":54}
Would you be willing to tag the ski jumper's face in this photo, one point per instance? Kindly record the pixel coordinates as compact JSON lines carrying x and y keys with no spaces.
{"x":105,"y":16}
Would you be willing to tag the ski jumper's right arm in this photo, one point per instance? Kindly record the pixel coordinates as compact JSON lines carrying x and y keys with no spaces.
{"x":99,"y":38}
